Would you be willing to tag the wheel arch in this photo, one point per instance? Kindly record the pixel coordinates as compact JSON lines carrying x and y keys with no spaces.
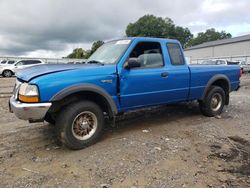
{"x":221,"y":81}
{"x":87,"y":92}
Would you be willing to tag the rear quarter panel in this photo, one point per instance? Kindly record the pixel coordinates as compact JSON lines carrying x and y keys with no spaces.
{"x":201,"y":74}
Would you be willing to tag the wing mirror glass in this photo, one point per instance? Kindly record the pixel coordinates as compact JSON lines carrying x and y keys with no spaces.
{"x":132,"y":63}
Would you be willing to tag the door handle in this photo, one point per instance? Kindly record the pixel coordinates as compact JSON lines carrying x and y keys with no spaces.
{"x":164,"y":74}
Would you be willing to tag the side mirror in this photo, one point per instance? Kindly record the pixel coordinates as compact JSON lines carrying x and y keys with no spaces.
{"x":132,"y":63}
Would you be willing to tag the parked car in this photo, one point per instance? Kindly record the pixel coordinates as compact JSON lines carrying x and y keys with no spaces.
{"x":219,"y":62}
{"x":10,"y":69}
{"x":122,"y":75}
{"x":245,"y":67}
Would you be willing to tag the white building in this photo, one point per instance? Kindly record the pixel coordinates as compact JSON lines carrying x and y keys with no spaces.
{"x":237,"y":48}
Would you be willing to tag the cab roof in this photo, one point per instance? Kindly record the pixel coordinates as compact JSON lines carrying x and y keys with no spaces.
{"x":147,"y":39}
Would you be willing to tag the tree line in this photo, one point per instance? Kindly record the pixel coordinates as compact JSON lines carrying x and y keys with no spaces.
{"x":153,"y":26}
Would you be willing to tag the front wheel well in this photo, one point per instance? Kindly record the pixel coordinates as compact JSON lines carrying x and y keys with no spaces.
{"x":80,"y":96}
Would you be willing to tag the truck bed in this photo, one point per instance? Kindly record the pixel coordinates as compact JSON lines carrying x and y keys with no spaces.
{"x":201,"y":74}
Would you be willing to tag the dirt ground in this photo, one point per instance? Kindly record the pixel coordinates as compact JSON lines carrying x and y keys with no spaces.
{"x":170,"y":146}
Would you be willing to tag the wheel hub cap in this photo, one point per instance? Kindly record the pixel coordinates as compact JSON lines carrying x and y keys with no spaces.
{"x":216,"y":102}
{"x":84,"y":125}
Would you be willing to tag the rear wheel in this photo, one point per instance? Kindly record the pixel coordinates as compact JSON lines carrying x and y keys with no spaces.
{"x":214,"y":102}
{"x":7,"y":73}
{"x":80,"y":124}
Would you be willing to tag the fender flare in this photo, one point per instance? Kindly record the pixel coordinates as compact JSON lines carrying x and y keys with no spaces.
{"x":88,"y":88}
{"x":214,"y":79}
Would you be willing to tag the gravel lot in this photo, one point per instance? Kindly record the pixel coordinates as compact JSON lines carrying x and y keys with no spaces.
{"x":170,"y":146}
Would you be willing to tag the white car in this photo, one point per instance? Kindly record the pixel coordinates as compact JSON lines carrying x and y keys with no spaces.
{"x":219,"y":62}
{"x":10,"y":70}
{"x":245,"y":66}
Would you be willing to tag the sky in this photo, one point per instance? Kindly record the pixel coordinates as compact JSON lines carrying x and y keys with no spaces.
{"x":53,"y":28}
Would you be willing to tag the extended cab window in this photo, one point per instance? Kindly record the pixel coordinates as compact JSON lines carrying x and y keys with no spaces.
{"x":149,"y":54}
{"x":175,"y":54}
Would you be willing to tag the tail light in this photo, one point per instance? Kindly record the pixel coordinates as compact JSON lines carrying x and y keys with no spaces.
{"x":241,"y":72}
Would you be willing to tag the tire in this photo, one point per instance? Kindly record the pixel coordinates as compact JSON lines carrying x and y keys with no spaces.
{"x":214,"y":102}
{"x":7,"y":73}
{"x":77,"y":119}
{"x":50,"y":120}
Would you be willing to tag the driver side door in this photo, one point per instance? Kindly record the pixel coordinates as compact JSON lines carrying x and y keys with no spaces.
{"x":145,"y":85}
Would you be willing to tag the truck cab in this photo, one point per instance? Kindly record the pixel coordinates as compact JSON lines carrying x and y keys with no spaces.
{"x":122,"y":75}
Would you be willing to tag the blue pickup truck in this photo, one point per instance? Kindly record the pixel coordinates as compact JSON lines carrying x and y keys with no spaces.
{"x":122,"y":75}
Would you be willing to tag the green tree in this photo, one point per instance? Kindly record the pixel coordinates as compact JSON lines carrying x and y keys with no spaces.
{"x":208,"y":35}
{"x":152,"y":26}
{"x":183,"y":35}
{"x":95,"y":46}
{"x":79,"y":53}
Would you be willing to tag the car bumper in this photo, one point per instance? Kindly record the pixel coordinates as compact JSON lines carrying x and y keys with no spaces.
{"x":33,"y":112}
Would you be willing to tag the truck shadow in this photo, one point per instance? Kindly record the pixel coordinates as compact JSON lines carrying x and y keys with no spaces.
{"x":145,"y":119}
{"x":156,"y":116}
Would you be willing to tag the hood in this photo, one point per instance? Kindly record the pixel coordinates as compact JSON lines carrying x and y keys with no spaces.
{"x":31,"y":72}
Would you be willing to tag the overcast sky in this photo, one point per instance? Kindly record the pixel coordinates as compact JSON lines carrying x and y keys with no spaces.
{"x":52,"y":28}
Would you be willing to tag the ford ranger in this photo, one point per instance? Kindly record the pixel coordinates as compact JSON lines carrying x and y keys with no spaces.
{"x":122,"y":75}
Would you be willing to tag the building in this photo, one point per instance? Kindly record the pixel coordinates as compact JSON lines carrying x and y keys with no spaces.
{"x":237,"y":48}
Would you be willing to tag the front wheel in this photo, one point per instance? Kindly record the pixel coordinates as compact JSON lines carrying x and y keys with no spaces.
{"x":214,"y":102}
{"x":80,"y":124}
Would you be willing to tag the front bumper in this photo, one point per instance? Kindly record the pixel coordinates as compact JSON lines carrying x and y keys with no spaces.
{"x":29,"y":111}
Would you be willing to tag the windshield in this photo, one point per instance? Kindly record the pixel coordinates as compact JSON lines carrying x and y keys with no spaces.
{"x":109,"y":52}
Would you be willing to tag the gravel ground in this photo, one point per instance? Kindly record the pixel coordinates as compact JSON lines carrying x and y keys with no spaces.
{"x":170,"y":146}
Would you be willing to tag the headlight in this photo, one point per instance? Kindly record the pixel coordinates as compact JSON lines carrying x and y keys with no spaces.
{"x":28,"y":93}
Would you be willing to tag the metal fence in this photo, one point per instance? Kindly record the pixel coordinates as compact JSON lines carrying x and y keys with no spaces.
{"x":46,"y":60}
{"x":245,"y":58}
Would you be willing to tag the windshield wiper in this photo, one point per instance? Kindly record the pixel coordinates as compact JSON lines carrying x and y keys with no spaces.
{"x":95,"y":62}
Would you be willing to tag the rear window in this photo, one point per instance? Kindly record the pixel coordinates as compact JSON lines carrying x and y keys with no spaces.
{"x":175,"y":54}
